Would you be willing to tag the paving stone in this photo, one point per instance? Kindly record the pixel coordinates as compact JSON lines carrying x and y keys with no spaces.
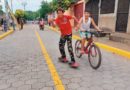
{"x":31,"y":81}
{"x":4,"y":86}
{"x":11,"y":88}
{"x":38,"y":85}
{"x":12,"y":80}
{"x":50,"y":83}
{"x":73,"y":86}
{"x":83,"y":88}
{"x":47,"y":88}
{"x":22,"y":65}
{"x":24,"y":87}
{"x":18,"y":84}
{"x":107,"y":87}
{"x":75,"y":80}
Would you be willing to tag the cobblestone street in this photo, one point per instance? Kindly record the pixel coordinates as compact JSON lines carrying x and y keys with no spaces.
{"x":23,"y":66}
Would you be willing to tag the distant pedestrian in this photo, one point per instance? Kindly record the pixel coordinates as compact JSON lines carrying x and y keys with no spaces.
{"x":50,"y":17}
{"x":41,"y":24}
{"x":5,"y":25}
{"x":13,"y":24}
{"x":21,"y":23}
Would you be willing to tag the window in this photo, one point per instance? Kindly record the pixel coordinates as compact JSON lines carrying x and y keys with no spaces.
{"x":107,"y":6}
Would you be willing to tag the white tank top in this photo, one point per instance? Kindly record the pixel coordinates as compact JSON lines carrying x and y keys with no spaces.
{"x":85,"y":26}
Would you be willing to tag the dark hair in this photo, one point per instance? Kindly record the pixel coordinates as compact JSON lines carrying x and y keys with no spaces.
{"x":60,"y":9}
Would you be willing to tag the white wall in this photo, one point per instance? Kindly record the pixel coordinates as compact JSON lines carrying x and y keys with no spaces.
{"x":128,"y":26}
{"x":108,"y":20}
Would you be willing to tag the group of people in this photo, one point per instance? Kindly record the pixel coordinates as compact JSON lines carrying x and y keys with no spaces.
{"x":63,"y":22}
{"x":5,"y":24}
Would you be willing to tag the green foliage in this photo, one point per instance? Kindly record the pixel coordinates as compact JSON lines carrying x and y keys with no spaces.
{"x":45,"y":9}
{"x":19,"y":13}
{"x":65,"y":4}
{"x":30,"y":15}
{"x":1,"y":11}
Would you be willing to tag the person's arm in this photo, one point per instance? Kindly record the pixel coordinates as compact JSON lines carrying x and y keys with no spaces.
{"x":94,"y":24}
{"x":75,"y":19}
{"x":72,"y":17}
{"x":54,"y":22}
{"x":79,"y":24}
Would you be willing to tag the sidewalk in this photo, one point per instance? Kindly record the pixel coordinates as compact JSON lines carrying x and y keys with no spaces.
{"x":121,"y":37}
{"x":1,"y":32}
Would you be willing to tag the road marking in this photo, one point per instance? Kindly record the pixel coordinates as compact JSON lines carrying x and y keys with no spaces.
{"x":103,"y":46}
{"x":6,"y":34}
{"x":58,"y":83}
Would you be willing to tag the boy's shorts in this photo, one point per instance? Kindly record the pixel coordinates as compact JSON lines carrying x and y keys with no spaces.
{"x":85,"y":34}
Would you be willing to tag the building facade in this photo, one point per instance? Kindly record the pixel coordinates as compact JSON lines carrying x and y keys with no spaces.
{"x":110,"y":14}
{"x":115,"y":15}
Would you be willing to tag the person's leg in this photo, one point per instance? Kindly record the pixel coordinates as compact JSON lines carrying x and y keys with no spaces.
{"x":5,"y":28}
{"x":89,"y":39}
{"x":83,"y":36}
{"x":22,"y":26}
{"x":14,"y":26}
{"x":89,"y":42}
{"x":70,"y":48}
{"x":62,"y":46}
{"x":82,"y":44}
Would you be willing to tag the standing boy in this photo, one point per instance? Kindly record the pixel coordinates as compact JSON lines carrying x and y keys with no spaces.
{"x":63,"y":22}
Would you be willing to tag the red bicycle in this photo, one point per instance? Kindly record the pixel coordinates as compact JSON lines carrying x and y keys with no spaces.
{"x":91,"y":49}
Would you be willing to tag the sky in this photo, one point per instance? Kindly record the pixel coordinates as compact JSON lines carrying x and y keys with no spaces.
{"x":32,"y":5}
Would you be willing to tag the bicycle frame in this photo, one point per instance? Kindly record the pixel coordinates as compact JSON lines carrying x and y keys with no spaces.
{"x":90,"y":42}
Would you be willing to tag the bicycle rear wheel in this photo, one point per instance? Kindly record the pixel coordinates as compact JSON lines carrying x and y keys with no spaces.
{"x":78,"y":48}
{"x":94,"y":56}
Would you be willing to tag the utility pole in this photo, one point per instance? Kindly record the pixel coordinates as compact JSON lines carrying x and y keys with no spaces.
{"x":24,"y":4}
{"x":12,"y":5}
{"x":7,"y":14}
{"x":6,"y":8}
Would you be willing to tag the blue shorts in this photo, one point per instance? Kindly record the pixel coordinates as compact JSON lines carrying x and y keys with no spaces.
{"x":84,"y":35}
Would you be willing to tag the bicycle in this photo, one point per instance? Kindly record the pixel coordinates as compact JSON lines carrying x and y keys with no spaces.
{"x":92,"y":50}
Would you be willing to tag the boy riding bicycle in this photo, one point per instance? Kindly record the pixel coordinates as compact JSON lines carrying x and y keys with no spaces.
{"x":84,"y":26}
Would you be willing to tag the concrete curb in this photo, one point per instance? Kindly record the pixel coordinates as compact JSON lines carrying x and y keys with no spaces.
{"x":6,"y":34}
{"x":103,"y":46}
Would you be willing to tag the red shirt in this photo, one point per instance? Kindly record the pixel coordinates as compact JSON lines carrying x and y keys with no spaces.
{"x":64,"y":25}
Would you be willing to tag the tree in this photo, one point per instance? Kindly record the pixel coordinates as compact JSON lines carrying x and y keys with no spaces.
{"x":65,"y":4}
{"x":1,"y":11}
{"x":30,"y":15}
{"x":45,"y":9}
{"x":19,"y":13}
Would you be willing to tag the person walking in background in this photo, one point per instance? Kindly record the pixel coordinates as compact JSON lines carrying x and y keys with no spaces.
{"x":41,"y":24}
{"x":21,"y":23}
{"x":13,"y":25}
{"x":50,"y":17}
{"x":5,"y":25}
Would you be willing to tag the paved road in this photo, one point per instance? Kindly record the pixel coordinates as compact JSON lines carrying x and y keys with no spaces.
{"x":23,"y":67}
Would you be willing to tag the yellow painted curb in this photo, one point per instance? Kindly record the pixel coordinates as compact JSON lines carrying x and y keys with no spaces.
{"x":103,"y":46}
{"x":6,"y":34}
{"x":54,"y":74}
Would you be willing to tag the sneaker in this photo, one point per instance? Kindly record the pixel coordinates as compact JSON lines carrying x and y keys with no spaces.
{"x":64,"y":60}
{"x":74,"y":64}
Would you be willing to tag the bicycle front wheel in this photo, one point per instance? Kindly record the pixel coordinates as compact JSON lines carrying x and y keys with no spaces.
{"x":78,"y":48}
{"x":94,"y":56}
